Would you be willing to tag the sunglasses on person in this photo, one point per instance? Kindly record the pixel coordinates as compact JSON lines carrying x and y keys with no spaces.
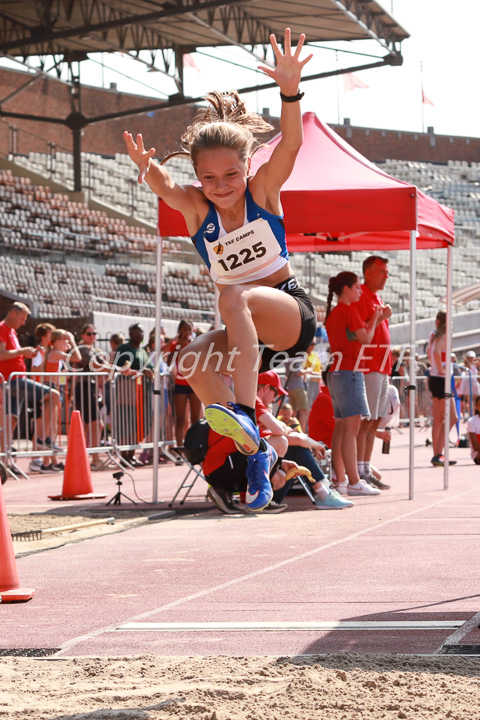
{"x":90,"y":332}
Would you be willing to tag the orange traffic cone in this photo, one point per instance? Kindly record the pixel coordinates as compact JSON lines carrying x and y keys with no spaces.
{"x":9,"y":583}
{"x":77,"y":476}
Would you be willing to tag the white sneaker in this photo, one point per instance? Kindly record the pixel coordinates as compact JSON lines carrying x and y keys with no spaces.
{"x":341,"y":487}
{"x":362,"y":488}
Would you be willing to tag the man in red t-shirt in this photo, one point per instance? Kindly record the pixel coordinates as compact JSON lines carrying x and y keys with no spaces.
{"x":12,"y":361}
{"x":376,"y":362}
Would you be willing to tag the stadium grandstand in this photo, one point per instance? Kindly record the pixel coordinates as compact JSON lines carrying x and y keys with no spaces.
{"x":60,"y":252}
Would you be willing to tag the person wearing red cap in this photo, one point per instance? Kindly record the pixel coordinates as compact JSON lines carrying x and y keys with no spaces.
{"x":225,"y":468}
{"x":293,"y":446}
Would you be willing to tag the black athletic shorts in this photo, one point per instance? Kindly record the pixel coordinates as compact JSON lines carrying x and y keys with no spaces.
{"x":436,"y":385}
{"x":232,"y":475}
{"x":273,"y":358}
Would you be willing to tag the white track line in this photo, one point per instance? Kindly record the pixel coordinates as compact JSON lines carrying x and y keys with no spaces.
{"x":322,"y":626}
{"x":270,"y":568}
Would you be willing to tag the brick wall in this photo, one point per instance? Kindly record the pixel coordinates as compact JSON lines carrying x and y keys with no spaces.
{"x":51,"y":98}
{"x":380,"y":145}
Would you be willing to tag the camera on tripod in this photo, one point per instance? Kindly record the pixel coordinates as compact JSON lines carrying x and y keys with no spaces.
{"x":117,"y":498}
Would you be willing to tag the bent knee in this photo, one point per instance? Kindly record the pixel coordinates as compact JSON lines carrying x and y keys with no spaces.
{"x":232,"y":298}
{"x":53,"y":396}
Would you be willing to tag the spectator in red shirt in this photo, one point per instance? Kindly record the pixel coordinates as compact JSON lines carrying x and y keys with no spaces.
{"x":347,"y":333}
{"x":321,"y":421}
{"x":225,"y":468}
{"x":12,"y":361}
{"x":377,"y":362}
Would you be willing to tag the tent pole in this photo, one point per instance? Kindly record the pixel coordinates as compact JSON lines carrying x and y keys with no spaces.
{"x":217,"y":309}
{"x":412,"y":385}
{"x":157,"y":382}
{"x":448,"y":368}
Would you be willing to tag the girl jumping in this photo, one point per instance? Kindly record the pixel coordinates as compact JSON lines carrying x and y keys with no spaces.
{"x":236,"y":223}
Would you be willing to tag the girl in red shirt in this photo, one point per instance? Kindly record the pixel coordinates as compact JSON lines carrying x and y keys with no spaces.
{"x":347,"y":333}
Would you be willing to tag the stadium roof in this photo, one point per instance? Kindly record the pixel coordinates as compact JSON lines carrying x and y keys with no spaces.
{"x":76,"y":27}
{"x":68,"y":30}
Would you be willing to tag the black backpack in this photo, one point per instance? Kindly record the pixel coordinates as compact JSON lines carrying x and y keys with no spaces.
{"x":195,"y":444}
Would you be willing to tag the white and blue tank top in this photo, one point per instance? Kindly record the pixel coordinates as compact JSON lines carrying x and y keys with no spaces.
{"x":250,"y":253}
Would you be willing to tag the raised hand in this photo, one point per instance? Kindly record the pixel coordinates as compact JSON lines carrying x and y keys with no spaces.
{"x":288,"y":69}
{"x":138,"y":154}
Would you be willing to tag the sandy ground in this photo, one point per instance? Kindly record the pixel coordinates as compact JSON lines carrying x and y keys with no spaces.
{"x":30,"y":523}
{"x":337,"y":687}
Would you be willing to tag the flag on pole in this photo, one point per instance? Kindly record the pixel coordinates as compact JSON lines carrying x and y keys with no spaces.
{"x":188,"y":61}
{"x":351,"y":82}
{"x":425,"y":99}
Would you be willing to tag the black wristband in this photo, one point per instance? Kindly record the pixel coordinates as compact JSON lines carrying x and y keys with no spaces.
{"x":292,"y":98}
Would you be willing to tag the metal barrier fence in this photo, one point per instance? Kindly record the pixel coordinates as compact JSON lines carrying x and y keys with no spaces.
{"x":423,"y":400}
{"x":132,"y":412}
{"x":117,"y":414}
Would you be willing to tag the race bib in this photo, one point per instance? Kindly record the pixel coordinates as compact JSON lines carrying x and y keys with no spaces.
{"x":247,"y":254}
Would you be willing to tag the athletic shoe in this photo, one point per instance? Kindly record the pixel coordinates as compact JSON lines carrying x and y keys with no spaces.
{"x":146,"y":457}
{"x":47,"y":443}
{"x":223,"y":500}
{"x":372,"y":480}
{"x":439,"y":460}
{"x":362,"y":488}
{"x":47,"y":469}
{"x":333,"y":501}
{"x":341,"y":487}
{"x":232,"y":422}
{"x":259,"y":490}
{"x":35,"y":465}
{"x":58,"y":467}
{"x":273,"y":507}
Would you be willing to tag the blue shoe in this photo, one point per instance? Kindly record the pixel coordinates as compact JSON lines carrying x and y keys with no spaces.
{"x":234,"y":423}
{"x":333,"y":501}
{"x":259,"y":490}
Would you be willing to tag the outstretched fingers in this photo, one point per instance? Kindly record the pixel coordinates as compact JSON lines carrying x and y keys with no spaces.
{"x":286,"y":59}
{"x":138,"y":154}
{"x":298,"y":50}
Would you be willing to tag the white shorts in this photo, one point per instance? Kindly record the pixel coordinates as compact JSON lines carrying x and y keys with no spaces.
{"x":376,"y":385}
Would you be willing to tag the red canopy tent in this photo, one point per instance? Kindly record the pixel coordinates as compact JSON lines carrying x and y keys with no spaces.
{"x":337,"y":200}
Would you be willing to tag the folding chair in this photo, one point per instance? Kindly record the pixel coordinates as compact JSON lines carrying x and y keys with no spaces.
{"x":324,"y":465}
{"x":193,"y":473}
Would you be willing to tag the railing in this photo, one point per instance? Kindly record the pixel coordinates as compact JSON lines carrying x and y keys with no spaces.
{"x":423,"y":400}
{"x":117,"y":414}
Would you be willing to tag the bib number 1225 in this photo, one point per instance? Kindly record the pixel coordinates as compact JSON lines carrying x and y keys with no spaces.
{"x":245,"y":255}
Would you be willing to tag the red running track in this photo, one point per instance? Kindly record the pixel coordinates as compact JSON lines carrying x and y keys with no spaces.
{"x":388,"y":559}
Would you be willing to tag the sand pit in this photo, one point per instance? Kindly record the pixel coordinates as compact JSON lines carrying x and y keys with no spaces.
{"x":337,"y":687}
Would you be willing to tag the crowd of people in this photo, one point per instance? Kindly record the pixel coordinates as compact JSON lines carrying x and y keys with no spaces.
{"x":354,"y":398}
